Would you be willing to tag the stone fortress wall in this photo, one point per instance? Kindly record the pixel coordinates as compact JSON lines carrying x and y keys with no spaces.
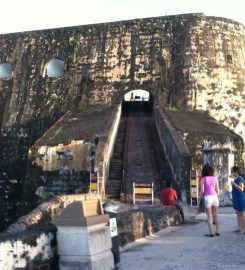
{"x":190,"y":62}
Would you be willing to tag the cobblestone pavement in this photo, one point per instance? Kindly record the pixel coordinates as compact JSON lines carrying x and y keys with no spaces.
{"x":187,"y":248}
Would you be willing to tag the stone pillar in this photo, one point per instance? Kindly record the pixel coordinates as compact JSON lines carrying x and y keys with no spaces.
{"x":221,"y":158}
{"x":83,"y":237}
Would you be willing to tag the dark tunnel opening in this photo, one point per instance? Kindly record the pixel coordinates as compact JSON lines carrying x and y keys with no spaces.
{"x":140,"y":102}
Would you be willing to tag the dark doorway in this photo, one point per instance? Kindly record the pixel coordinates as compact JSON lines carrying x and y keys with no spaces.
{"x":137,"y":102}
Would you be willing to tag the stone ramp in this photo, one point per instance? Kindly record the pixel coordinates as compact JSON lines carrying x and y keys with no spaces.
{"x":141,"y":164}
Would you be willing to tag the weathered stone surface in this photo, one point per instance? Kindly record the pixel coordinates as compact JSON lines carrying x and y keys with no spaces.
{"x":29,"y":250}
{"x":197,"y":128}
{"x":103,"y":259}
{"x":37,"y":246}
{"x":188,"y":61}
{"x":166,"y":54}
{"x":176,"y":153}
{"x":84,"y":241}
{"x":46,"y":211}
{"x":137,"y":224}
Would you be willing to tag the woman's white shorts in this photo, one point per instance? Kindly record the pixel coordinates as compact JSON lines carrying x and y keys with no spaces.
{"x":211,"y":200}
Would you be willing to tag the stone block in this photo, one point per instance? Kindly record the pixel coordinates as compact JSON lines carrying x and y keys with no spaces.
{"x":103,"y":260}
{"x":82,"y":213}
{"x":83,"y":236}
{"x":83,"y":240}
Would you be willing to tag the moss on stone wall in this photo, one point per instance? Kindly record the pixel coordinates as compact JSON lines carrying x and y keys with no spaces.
{"x":181,"y":60}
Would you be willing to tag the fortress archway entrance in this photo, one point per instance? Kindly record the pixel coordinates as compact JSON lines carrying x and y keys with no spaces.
{"x":137,"y":101}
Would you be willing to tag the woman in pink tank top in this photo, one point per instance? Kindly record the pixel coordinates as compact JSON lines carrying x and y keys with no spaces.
{"x":210,"y":191}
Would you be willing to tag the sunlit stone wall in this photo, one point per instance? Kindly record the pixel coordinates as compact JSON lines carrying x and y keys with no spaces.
{"x":217,"y":71}
{"x":187,"y":61}
{"x":190,"y":61}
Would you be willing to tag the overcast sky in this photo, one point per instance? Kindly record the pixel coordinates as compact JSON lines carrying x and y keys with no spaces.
{"x":25,"y":15}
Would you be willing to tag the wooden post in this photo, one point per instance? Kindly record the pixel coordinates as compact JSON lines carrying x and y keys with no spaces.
{"x":133,"y":193}
{"x":152,"y":194}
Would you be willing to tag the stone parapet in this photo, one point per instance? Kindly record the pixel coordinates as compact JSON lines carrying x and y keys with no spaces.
{"x":37,"y":248}
{"x":145,"y":221}
{"x":45,"y":212}
{"x":29,"y":250}
{"x":176,"y":152}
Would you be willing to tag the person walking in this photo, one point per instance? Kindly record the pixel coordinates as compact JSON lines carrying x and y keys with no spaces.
{"x":210,"y":191}
{"x":238,"y":198}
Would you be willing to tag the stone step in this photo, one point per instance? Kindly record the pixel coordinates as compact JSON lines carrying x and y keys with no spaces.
{"x":117,"y":171}
{"x":118,"y":156}
{"x":116,"y":165}
{"x":113,"y":197}
{"x":117,"y":168}
{"x":119,"y":148}
{"x":116,"y":160}
{"x":114,"y":180}
{"x":114,"y":191}
{"x":115,"y":185}
{"x":115,"y":176}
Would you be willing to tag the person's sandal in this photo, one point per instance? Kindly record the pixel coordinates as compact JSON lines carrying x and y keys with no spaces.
{"x":209,"y":235}
{"x":217,"y":234}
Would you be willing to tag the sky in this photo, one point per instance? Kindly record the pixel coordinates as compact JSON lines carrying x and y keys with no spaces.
{"x":26,"y":15}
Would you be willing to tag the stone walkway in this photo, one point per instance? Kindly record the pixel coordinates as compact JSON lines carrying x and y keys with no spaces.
{"x":187,"y":248}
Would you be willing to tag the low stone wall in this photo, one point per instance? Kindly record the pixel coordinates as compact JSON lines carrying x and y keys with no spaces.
{"x":139,"y":223}
{"x":29,"y":250}
{"x":30,"y":243}
{"x":45,"y":212}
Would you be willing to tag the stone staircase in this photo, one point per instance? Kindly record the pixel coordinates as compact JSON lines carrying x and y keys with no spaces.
{"x":113,"y":187}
